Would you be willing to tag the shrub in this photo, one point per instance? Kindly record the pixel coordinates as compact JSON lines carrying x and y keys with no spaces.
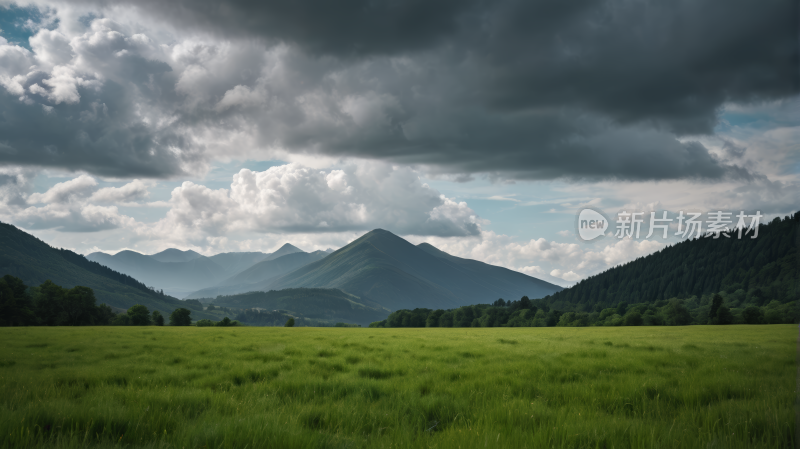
{"x":227,"y":322}
{"x":204,"y":323}
{"x":633,"y":319}
{"x":158,"y":318}
{"x":180,"y":317}
{"x":121,"y":320}
{"x":289,"y":323}
{"x":752,"y":315}
{"x":139,"y":315}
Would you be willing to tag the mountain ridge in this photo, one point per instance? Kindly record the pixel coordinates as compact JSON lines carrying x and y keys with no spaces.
{"x":180,"y":273}
{"x":258,"y":276}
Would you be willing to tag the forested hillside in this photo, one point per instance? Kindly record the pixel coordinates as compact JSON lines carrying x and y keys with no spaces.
{"x":34,"y":262}
{"x":757,"y":270}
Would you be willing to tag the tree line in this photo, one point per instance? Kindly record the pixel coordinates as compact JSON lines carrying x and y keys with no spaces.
{"x":52,"y":305}
{"x":708,"y":309}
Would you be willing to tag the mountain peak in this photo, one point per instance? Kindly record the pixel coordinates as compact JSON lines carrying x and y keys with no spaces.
{"x":176,"y":255}
{"x":287,"y":248}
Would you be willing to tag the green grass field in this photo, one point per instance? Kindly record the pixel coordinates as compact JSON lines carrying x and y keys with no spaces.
{"x":670,"y":387}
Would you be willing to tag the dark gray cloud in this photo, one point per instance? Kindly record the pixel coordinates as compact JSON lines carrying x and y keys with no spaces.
{"x":669,"y":62}
{"x":518,"y":89}
{"x":341,"y":28}
{"x":100,"y":134}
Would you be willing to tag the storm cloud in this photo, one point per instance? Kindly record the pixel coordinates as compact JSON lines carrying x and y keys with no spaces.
{"x":514,"y":89}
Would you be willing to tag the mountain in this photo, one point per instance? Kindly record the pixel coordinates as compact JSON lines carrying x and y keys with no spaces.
{"x":175,"y":255}
{"x":756,"y":271}
{"x":175,"y":278}
{"x":287,"y":248}
{"x":237,"y":262}
{"x":384,"y":268}
{"x":260,"y":275}
{"x":315,"y":303}
{"x":28,"y":258}
{"x":179,"y":273}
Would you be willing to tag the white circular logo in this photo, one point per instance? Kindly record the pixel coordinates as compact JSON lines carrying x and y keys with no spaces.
{"x":591,"y":224}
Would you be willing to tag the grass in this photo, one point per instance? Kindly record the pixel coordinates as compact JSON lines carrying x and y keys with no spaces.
{"x":628,"y":387}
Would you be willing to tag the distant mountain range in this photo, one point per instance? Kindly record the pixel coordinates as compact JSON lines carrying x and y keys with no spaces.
{"x":371,"y":276}
{"x":259,"y":276}
{"x":379,"y":268}
{"x":178,"y":272}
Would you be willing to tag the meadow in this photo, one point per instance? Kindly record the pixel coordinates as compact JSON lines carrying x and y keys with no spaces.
{"x":619,"y":387}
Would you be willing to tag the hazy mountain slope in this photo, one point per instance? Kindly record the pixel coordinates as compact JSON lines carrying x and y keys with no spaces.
{"x":32,"y":260}
{"x":179,"y":273}
{"x":361,"y":269}
{"x":396,"y":274}
{"x":764,"y":269}
{"x":175,"y":255}
{"x":270,"y":269}
{"x":317,"y":303}
{"x":259,"y":276}
{"x":234,"y":263}
{"x":175,"y":278}
{"x":508,"y":284}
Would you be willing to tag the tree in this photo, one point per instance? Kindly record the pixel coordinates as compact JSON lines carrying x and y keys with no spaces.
{"x":463,"y":317}
{"x":446,"y":320}
{"x":622,"y":308}
{"x":48,"y":301}
{"x":724,"y":315}
{"x":525,"y":303}
{"x":676,"y":313}
{"x":633,"y":319}
{"x":289,"y":323}
{"x":552,"y":317}
{"x":139,"y":315}
{"x":716,"y":303}
{"x":121,"y":320}
{"x":227,"y":322}
{"x":158,"y":318}
{"x":433,"y":318}
{"x":540,"y":319}
{"x":16,"y":308}
{"x":752,"y":315}
{"x":79,"y":307}
{"x":104,"y":315}
{"x":180,"y":317}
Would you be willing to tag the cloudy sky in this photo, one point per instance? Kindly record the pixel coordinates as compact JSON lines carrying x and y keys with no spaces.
{"x":481,"y":127}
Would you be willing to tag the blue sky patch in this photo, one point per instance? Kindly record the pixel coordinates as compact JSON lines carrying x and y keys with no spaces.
{"x":15,"y":23}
